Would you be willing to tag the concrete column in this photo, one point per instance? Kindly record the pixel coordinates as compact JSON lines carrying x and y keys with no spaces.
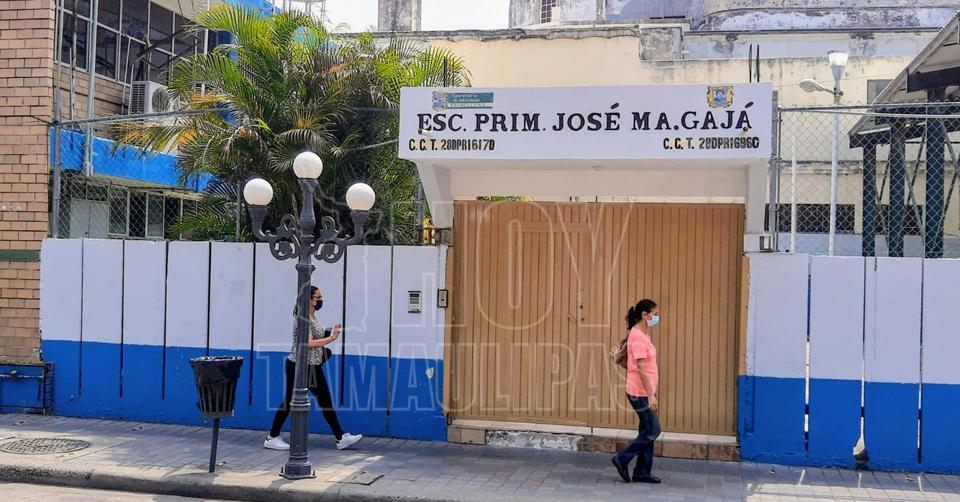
{"x":436,"y":187}
{"x":898,"y":182}
{"x":870,"y":207}
{"x":399,"y":15}
{"x":934,"y":198}
{"x":756,"y":200}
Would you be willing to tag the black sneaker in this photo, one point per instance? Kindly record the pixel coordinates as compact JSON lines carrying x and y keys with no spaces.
{"x":621,"y":470}
{"x":650,"y":478}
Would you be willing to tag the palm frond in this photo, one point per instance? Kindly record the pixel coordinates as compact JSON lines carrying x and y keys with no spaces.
{"x":287,"y":84}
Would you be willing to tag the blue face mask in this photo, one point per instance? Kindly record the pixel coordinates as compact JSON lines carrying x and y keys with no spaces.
{"x":654,"y":320}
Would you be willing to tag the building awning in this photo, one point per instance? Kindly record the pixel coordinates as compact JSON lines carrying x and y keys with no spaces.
{"x":936,"y":66}
{"x":125,"y":162}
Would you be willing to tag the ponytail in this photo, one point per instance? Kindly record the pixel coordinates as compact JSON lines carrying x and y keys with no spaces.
{"x":635,"y":313}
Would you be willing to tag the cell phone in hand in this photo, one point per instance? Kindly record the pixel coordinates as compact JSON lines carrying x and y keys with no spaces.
{"x":327,"y":332}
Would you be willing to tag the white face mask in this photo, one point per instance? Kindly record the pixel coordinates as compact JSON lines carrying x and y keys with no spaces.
{"x":653,"y":321}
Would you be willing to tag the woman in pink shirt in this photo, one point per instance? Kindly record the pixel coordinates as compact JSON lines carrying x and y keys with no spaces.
{"x":642,"y":379}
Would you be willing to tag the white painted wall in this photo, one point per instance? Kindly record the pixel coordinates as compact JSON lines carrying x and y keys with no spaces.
{"x":102,"y":292}
{"x":144,"y":288}
{"x":187,"y":286}
{"x":368,"y":309}
{"x":146,"y":292}
{"x":941,"y":321}
{"x":870,"y":310}
{"x":777,"y":315}
{"x":836,"y":331}
{"x":892,"y":319}
{"x":61,"y":274}
{"x":414,"y":334}
{"x":231,"y":295}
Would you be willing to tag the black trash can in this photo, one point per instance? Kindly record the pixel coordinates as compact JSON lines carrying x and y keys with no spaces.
{"x":216,"y":378}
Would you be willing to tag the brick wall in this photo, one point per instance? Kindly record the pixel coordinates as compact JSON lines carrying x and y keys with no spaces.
{"x":26,"y":98}
{"x":108,"y":101}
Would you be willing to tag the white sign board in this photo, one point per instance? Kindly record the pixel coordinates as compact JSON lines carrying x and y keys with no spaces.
{"x":624,"y":122}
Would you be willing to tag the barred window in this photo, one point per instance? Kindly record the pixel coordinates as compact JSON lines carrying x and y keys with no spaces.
{"x":119,"y":211}
{"x":814,"y":218}
{"x":912,"y":219}
{"x":138,"y":210}
{"x":155,"y":212}
{"x":546,"y":10}
{"x":172,"y":210}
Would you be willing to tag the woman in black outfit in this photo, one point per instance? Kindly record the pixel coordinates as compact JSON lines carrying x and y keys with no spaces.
{"x":316,"y":381}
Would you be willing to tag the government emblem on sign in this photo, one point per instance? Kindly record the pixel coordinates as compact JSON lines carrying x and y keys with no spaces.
{"x":439,"y":101}
{"x":461,"y":100}
{"x":720,"y":96}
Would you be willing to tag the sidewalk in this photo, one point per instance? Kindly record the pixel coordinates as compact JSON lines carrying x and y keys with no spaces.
{"x":170,"y":459}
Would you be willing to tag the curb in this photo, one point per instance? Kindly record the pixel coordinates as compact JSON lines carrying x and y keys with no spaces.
{"x":199,"y":485}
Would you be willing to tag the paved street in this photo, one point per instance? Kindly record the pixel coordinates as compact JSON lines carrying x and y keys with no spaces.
{"x":172,"y":459}
{"x":40,"y":493}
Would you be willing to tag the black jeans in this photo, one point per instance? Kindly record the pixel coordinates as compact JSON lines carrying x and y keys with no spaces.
{"x":317,"y":383}
{"x":642,"y":446}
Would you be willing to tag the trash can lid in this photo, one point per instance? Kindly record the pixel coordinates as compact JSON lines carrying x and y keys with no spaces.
{"x":203,"y":359}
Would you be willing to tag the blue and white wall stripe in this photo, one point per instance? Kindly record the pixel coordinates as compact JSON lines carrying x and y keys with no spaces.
{"x":836,"y":349}
{"x":187,"y":318}
{"x":366,"y":339}
{"x":144,"y":317}
{"x":940,"y":370}
{"x":892,"y":363}
{"x":416,"y":391}
{"x":120,"y":321}
{"x":882,"y":343}
{"x":61,"y":277}
{"x":771,"y":403}
{"x":102,"y":329}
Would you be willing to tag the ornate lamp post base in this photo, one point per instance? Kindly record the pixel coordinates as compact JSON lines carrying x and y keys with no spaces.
{"x":298,"y":471}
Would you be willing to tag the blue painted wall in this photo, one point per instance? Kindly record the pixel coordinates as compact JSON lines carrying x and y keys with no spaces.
{"x":864,"y":320}
{"x":158,"y":386}
{"x":127,"y":162}
{"x":22,"y":390}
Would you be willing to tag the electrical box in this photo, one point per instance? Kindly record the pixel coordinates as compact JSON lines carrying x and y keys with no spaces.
{"x":442,"y":298}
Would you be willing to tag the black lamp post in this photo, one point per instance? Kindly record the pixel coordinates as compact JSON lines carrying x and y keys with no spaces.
{"x":296,"y":239}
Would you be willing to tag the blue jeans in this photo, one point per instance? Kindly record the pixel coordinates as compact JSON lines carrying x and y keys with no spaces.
{"x":642,"y":446}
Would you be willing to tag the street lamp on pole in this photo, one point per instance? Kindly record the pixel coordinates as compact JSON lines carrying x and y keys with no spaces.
{"x":838,"y":63}
{"x":296,"y":239}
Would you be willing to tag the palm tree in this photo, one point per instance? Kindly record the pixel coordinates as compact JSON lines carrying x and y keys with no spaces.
{"x":286,"y":84}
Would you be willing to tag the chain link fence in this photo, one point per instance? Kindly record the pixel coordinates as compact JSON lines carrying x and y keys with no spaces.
{"x":104,"y":191}
{"x":895,"y":190}
{"x":100,"y":207}
{"x":116,"y":193}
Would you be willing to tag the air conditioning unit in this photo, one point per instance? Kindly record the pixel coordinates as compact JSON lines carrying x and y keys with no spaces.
{"x":150,"y":97}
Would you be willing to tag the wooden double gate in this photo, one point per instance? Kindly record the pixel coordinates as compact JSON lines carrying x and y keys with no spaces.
{"x":540,"y":291}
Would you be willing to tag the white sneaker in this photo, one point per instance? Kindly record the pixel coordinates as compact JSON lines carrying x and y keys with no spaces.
{"x":348,"y":440}
{"x":276,"y":443}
